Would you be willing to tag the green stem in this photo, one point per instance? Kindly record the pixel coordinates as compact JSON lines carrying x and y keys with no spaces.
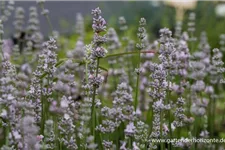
{"x":49,"y":23}
{"x":130,"y":142}
{"x":86,"y":77}
{"x":56,"y":131}
{"x":129,"y":68}
{"x":136,"y":93}
{"x":126,"y":53}
{"x":117,"y":138}
{"x":189,"y":103}
{"x":100,"y":135}
{"x":6,"y":129}
{"x":42,"y":113}
{"x":161,"y":130}
{"x":114,"y":79}
{"x":137,"y":81}
{"x":196,"y":130}
{"x":1,"y":39}
{"x":169,"y":111}
{"x":149,"y":116}
{"x":48,"y":19}
{"x":93,"y":99}
{"x":213,"y":116}
{"x":170,"y":130}
{"x":60,"y":146}
{"x":210,"y":117}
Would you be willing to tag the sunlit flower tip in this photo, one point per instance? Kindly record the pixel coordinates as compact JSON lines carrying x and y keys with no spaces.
{"x":45,"y":12}
{"x":3,"y":113}
{"x":122,"y":20}
{"x":40,"y":137}
{"x":66,"y":116}
{"x":135,"y":147}
{"x":54,"y":103}
{"x":142,"y":22}
{"x":91,"y":76}
{"x":64,"y":103}
{"x":16,"y":135}
{"x":130,"y":129}
{"x":96,"y":11}
{"x":123,"y":146}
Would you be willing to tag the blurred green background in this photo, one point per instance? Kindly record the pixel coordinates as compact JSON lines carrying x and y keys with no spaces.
{"x":157,"y":13}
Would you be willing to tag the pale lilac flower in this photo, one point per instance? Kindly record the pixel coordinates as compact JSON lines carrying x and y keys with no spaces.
{"x":222,"y":42}
{"x":79,"y":26}
{"x":191,"y":26}
{"x":130,"y":129}
{"x":122,"y":22}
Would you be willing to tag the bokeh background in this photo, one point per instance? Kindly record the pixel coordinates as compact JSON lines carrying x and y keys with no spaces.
{"x":210,"y":15}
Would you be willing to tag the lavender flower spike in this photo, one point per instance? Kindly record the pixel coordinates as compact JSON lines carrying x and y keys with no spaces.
{"x":99,"y":23}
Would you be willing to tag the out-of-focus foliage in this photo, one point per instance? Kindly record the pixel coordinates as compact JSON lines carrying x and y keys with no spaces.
{"x":159,"y":15}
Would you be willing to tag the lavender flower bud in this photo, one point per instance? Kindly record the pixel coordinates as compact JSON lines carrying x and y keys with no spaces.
{"x":99,"y":52}
{"x":79,"y":27}
{"x":1,"y":37}
{"x":178,"y":29}
{"x":98,"y":22}
{"x":209,"y":90}
{"x":142,"y":22}
{"x":107,"y":144}
{"x":45,"y":12}
{"x":130,"y":129}
{"x":112,"y":40}
{"x":191,"y":26}
{"x":165,"y":35}
{"x":141,"y":34}
{"x":222,"y":42}
{"x":19,"y":21}
{"x":122,"y":23}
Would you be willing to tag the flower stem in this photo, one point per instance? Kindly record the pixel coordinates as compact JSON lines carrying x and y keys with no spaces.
{"x":7,"y":134}
{"x":169,"y":111}
{"x":48,"y":19}
{"x":42,"y":113}
{"x":86,"y":77}
{"x":127,"y":53}
{"x":56,"y":131}
{"x":210,"y":117}
{"x":137,"y":81}
{"x":213,"y":116}
{"x":161,"y":129}
{"x":93,"y":113}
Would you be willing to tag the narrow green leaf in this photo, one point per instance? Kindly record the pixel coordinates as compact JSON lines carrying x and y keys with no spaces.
{"x":103,"y":68}
{"x":127,"y":53}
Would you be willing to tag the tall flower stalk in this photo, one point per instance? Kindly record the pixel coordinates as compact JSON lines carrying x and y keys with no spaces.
{"x":6,"y":10}
{"x":1,"y":39}
{"x":140,"y":46}
{"x":127,"y":41}
{"x":45,"y":12}
{"x":98,"y":51}
{"x":167,"y":53}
